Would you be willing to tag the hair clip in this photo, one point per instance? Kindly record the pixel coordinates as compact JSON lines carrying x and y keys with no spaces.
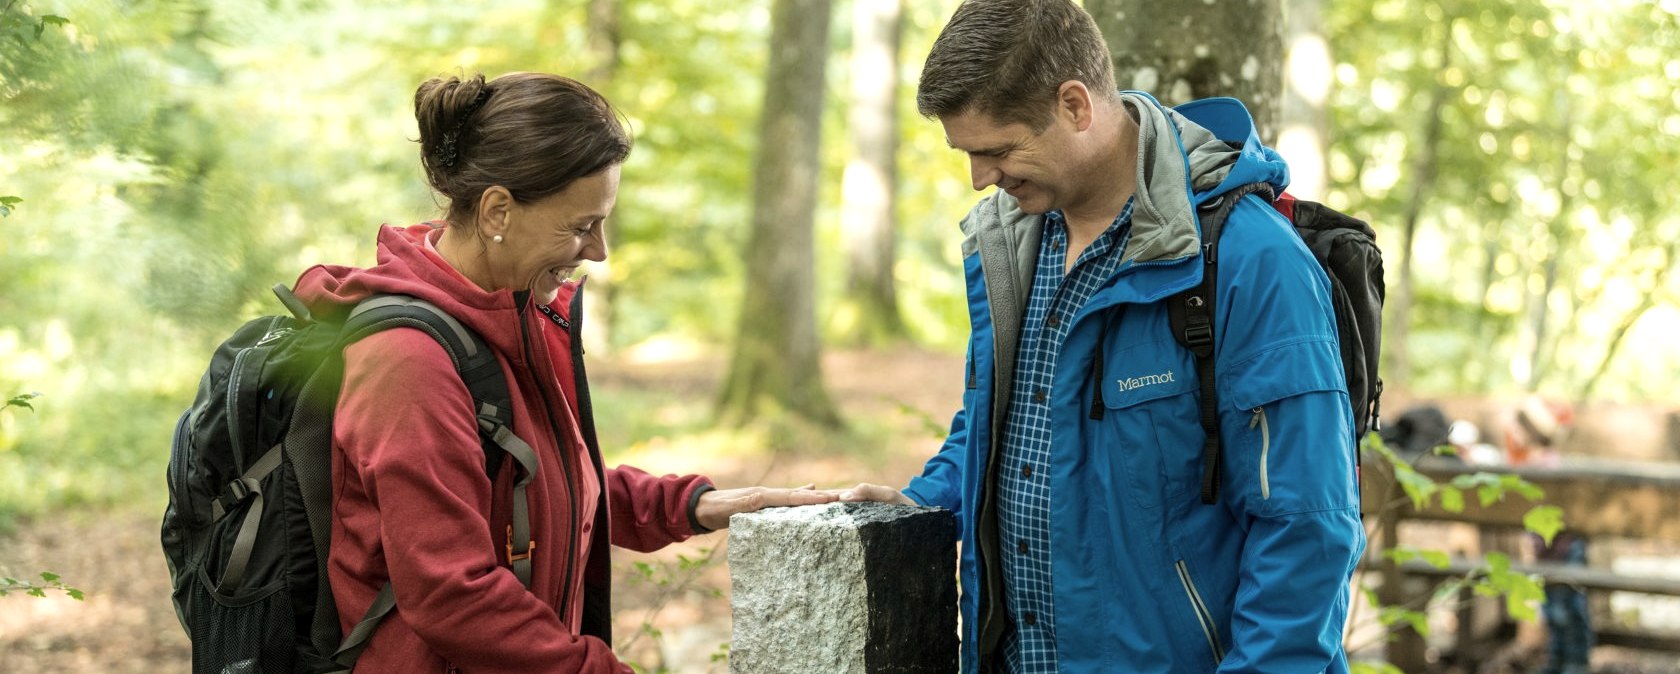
{"x":448,"y":147}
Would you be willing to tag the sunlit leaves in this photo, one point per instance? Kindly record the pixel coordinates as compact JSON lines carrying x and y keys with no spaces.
{"x":1405,"y":553}
{"x":1545,"y":521}
{"x":1523,"y":592}
{"x":1544,"y":149}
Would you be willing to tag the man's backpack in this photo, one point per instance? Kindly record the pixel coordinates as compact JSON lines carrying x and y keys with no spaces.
{"x":1346,"y":248}
{"x":248,"y":523}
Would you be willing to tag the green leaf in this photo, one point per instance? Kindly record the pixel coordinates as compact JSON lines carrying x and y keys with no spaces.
{"x":49,"y":576}
{"x":21,"y":400}
{"x":1394,"y":615}
{"x":75,"y":594}
{"x":1544,"y":520}
{"x":1406,"y":553}
{"x":7,"y":204}
{"x":1526,"y":489}
{"x":1452,"y":500}
{"x":1498,"y":563}
{"x":1526,"y":594}
{"x":1370,"y":595}
{"x":1418,"y":487}
{"x":1437,"y":558}
{"x":37,"y":592}
{"x":52,"y":19}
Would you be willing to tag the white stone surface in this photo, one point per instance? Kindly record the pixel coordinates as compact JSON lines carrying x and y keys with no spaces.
{"x":855,"y":588}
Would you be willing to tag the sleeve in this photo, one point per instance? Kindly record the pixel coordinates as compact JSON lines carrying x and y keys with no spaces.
{"x":940,"y":483}
{"x":1288,"y":470}
{"x":650,"y":512}
{"x":405,"y":422}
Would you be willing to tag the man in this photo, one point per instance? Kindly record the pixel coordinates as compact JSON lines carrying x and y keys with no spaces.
{"x":1075,"y":464}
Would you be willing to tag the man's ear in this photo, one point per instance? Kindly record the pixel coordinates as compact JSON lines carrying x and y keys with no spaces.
{"x":1073,"y":103}
{"x":495,"y":206}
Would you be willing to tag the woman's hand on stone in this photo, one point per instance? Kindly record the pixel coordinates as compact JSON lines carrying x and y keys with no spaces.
{"x":716,"y":506}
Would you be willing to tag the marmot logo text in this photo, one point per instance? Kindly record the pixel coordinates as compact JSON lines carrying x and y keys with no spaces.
{"x":1146,"y":380}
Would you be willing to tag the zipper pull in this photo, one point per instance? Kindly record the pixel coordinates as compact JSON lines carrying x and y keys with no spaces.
{"x":1254,"y":419}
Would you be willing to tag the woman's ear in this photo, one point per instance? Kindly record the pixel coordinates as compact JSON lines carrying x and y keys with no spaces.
{"x":495,"y":206}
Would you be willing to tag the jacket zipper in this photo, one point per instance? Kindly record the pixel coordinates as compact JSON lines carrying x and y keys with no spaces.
{"x":565,"y":466}
{"x":1209,"y":629}
{"x":1265,"y":449}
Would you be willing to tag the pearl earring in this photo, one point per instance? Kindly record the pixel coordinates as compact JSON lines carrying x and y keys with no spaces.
{"x":497,"y":238}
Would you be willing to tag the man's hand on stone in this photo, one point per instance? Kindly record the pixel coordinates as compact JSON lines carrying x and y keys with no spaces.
{"x":874,"y":492}
{"x":715,"y":507}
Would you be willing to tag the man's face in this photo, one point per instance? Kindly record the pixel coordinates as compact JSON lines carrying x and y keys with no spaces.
{"x":1029,"y":165}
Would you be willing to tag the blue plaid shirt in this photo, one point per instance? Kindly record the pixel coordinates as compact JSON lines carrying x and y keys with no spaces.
{"x":1023,"y":480}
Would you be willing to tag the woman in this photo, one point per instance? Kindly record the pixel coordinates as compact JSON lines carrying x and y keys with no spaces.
{"x":529,"y":164}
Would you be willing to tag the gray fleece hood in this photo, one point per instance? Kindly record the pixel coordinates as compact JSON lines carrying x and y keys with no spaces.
{"x":1185,"y":156}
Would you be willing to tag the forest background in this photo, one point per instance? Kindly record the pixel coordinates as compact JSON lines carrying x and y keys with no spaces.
{"x":163,"y":162}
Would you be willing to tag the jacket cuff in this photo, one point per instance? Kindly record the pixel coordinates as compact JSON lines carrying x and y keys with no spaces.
{"x":694,"y":502}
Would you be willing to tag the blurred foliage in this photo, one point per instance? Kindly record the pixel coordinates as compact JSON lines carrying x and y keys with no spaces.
{"x":1550,"y":161}
{"x":1493,"y":576}
{"x":176,"y":157}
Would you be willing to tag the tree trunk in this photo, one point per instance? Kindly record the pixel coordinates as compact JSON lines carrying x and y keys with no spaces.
{"x":868,"y":218}
{"x":1424,"y":171}
{"x":1182,"y":50}
{"x":777,"y":360}
{"x":604,"y":38}
{"x":1307,"y":78}
{"x":1534,"y":364}
{"x":602,"y":292}
{"x":1476,"y":375}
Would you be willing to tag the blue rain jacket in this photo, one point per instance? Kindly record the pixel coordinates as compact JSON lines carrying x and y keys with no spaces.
{"x":1146,"y":577}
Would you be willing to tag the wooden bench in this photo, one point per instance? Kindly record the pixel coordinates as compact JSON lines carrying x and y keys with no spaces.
{"x":1599,"y":499}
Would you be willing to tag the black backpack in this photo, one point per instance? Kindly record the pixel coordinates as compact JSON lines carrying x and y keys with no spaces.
{"x":248,"y":523}
{"x":1346,"y":247}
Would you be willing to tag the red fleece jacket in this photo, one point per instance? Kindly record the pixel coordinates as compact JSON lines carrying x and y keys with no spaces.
{"x":412,"y":504}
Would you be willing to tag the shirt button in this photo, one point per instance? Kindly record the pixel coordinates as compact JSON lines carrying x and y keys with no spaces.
{"x":1022,"y":546}
{"x":1053,"y":321}
{"x":1026,"y":471}
{"x":1032,"y":618}
{"x":1038,"y":396}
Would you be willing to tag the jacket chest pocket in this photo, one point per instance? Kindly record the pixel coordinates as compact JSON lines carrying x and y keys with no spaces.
{"x":1150,"y":426}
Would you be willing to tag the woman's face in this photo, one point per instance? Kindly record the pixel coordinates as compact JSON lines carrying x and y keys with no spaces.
{"x":547,"y":239}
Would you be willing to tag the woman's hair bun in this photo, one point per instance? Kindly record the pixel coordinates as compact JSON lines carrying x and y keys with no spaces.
{"x":444,"y":107}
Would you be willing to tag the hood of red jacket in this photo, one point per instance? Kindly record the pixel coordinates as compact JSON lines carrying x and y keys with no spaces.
{"x":405,"y":267}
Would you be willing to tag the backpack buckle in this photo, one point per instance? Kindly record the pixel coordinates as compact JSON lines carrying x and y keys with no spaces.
{"x":1198,"y":335}
{"x":529,"y":548}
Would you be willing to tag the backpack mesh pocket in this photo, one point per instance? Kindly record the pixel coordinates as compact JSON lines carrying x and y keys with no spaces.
{"x":251,"y":634}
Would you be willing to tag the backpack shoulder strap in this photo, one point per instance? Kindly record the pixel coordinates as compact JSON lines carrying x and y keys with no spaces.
{"x":482,"y":373}
{"x":1190,"y":314}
